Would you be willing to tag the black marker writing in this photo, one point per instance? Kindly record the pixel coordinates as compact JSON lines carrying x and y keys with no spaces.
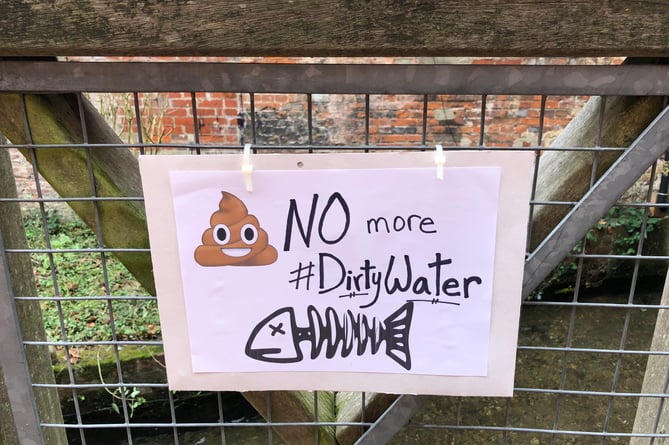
{"x":397,"y":276}
{"x":342,"y":222}
{"x":330,"y":334}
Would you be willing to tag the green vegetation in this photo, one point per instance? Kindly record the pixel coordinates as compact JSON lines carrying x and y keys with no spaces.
{"x":133,"y":397}
{"x":617,"y":233}
{"x":74,"y":270}
{"x":626,"y":222}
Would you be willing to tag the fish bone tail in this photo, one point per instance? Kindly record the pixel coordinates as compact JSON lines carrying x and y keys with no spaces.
{"x":396,"y":335}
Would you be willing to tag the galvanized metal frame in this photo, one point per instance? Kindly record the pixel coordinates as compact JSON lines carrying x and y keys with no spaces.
{"x":601,"y":196}
{"x":14,"y":364}
{"x":64,"y":77}
{"x":618,"y":80}
{"x":558,"y":244}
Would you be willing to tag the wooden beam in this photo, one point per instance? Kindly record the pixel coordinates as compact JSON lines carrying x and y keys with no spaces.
{"x":652,"y":413}
{"x":54,"y":119}
{"x":297,"y":406}
{"x":352,"y":408}
{"x":330,"y":28}
{"x":565,"y":175}
{"x":29,"y":316}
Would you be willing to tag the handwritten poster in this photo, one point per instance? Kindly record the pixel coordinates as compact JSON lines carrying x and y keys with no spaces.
{"x":332,"y":271}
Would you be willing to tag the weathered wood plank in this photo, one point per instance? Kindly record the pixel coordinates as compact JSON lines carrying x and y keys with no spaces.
{"x":54,"y":119}
{"x":652,"y":414}
{"x":297,"y":406}
{"x":350,"y":409}
{"x":341,"y":27}
{"x":565,"y":176}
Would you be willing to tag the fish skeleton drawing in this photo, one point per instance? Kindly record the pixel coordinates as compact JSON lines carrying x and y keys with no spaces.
{"x":277,"y":338}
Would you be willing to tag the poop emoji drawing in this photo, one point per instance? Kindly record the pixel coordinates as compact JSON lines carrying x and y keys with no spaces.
{"x":234,"y":237}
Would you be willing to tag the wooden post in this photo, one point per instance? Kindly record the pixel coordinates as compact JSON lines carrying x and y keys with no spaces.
{"x":652,"y":414}
{"x":342,"y":407}
{"x":29,"y":315}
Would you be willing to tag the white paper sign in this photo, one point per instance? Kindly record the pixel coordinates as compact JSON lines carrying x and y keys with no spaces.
{"x":335,"y":271}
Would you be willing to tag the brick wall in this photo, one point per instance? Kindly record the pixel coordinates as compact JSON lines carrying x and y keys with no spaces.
{"x":224,"y":118}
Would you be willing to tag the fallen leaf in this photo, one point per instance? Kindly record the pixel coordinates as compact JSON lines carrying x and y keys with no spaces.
{"x":74,"y":356}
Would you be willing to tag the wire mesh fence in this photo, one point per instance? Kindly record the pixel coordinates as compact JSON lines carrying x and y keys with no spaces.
{"x":586,"y":338}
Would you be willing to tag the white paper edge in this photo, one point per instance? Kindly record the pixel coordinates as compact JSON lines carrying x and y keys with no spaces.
{"x":513,"y":213}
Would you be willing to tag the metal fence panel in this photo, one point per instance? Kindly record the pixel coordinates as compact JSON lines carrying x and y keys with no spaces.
{"x":586,"y":323}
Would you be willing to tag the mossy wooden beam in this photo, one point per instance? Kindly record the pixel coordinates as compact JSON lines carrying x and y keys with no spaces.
{"x":335,"y":27}
{"x":351,"y":408}
{"x":54,"y":119}
{"x":340,"y":407}
{"x":297,"y":406}
{"x":29,"y":315}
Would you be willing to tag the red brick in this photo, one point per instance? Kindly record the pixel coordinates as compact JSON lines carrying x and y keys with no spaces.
{"x":230,"y":112}
{"x":407,"y":123}
{"x":180,"y":103}
{"x":281,"y":99}
{"x":387,"y":111}
{"x":184,"y":122}
{"x":174,"y":112}
{"x":231,"y":103}
{"x":401,"y":138}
